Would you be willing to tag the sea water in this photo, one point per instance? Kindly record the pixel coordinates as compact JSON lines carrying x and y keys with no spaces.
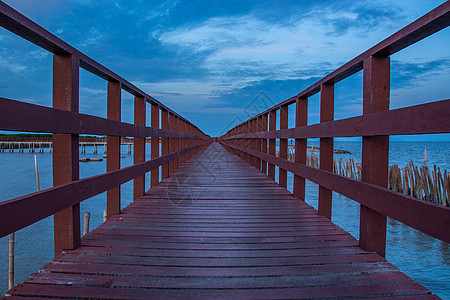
{"x":421,"y":257}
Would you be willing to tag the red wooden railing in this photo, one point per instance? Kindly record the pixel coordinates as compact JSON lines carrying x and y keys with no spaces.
{"x":180,"y":138}
{"x":378,"y":122}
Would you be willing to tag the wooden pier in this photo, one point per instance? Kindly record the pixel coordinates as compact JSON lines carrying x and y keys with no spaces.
{"x":218,"y":222}
{"x":218,"y":228}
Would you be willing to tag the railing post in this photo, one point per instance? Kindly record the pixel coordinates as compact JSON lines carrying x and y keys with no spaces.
{"x":245,"y":141}
{"x":272,"y":127}
{"x":65,"y":150}
{"x":177,"y":141}
{"x":264,"y":143}
{"x":165,"y":141}
{"x":326,"y":147}
{"x":139,"y":146}
{"x":181,"y":128}
{"x":249,"y":140}
{"x":301,"y":119}
{"x":113,"y":147}
{"x":252,"y":127}
{"x":240,"y":142}
{"x":190,"y":141}
{"x":183,"y":159}
{"x":282,"y":174}
{"x":375,"y":151}
{"x":259,"y":121}
{"x":171,"y":142}
{"x":154,"y":144}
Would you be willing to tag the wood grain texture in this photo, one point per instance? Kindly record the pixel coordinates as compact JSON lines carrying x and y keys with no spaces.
{"x":218,"y":228}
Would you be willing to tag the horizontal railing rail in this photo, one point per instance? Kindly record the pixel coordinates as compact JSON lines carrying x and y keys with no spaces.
{"x":255,"y":140}
{"x":429,"y":118}
{"x":28,"y":117}
{"x":178,"y":137}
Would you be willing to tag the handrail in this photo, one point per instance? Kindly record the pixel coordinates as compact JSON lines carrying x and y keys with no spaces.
{"x":27,"y":117}
{"x":180,"y":139}
{"x":250,"y":139}
{"x":426,"y":118}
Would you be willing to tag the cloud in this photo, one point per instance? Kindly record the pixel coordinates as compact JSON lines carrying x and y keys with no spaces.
{"x":419,"y":82}
{"x":359,"y":17}
{"x":93,"y":91}
{"x":210,"y":59}
{"x":162,"y":10}
{"x":241,"y":49}
{"x":408,"y":73}
{"x":217,"y":110}
{"x":16,"y":68}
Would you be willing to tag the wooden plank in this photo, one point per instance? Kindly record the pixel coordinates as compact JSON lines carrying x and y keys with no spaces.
{"x":383,"y":289}
{"x":229,"y":246}
{"x":217,"y":253}
{"x":213,"y":282}
{"x":109,"y":269}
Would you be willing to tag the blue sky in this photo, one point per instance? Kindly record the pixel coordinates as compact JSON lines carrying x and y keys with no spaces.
{"x":210,"y":60}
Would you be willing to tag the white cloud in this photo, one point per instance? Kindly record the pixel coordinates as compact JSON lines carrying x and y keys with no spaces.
{"x":216,"y":110}
{"x":90,"y":38}
{"x":246,"y":48}
{"x":93,"y":91}
{"x":39,"y":53}
{"x":16,"y":68}
{"x":182,"y":95}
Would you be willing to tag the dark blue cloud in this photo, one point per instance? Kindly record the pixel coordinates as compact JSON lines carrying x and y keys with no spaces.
{"x":407,"y":74}
{"x":362,"y":17}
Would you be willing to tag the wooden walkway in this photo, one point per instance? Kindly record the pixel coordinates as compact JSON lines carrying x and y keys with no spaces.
{"x":218,"y":228}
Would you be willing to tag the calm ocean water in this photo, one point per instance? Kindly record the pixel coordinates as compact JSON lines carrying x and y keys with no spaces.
{"x":423,"y":258}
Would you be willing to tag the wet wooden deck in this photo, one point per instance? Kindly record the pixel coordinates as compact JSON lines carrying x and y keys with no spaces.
{"x":218,"y":228}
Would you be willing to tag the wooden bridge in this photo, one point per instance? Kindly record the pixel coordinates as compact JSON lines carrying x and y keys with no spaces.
{"x":217,"y":224}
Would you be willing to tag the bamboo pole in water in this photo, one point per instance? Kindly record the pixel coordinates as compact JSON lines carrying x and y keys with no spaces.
{"x":425,"y":156}
{"x":418,"y":182}
{"x":11,"y":262}
{"x":87,"y":216}
{"x":12,"y":237}
{"x":37,"y":173}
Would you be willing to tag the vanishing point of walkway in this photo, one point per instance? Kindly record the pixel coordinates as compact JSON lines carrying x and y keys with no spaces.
{"x":218,"y":228}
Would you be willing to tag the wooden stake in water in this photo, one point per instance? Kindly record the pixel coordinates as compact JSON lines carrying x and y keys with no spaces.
{"x":424,"y":156}
{"x":11,"y":262}
{"x":12,"y":236}
{"x":87,"y":217}
{"x":37,"y":173}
